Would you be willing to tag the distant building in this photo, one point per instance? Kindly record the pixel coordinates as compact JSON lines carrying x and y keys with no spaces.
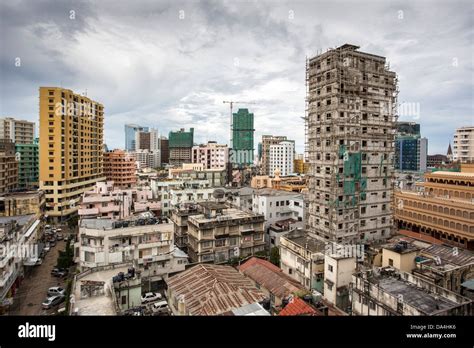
{"x":434,"y":161}
{"x":145,"y":159}
{"x":130,"y":135}
{"x":230,"y":290}
{"x":411,"y":150}
{"x":242,"y":142}
{"x":8,"y":165}
{"x":463,"y":145}
{"x":221,"y":233}
{"x":211,"y":155}
{"x":180,"y":146}
{"x":281,"y":158}
{"x":267,"y":141}
{"x":28,"y":164}
{"x":120,"y":168}
{"x":18,"y":131}
{"x":164,"y":150}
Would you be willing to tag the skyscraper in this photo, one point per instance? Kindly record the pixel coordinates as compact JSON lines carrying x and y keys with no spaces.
{"x":242,"y":138}
{"x":350,"y":124}
{"x":130,"y":135}
{"x":411,"y":150}
{"x":71,"y":148}
{"x":180,"y":146}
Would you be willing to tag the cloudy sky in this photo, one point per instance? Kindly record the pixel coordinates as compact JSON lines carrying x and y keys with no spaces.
{"x":170,"y":64}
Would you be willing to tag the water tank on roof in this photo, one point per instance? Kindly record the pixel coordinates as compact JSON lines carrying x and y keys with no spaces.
{"x":218,"y":194}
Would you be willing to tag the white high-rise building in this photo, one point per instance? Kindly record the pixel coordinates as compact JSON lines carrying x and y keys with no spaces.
{"x":282,"y":157}
{"x":464,"y":144}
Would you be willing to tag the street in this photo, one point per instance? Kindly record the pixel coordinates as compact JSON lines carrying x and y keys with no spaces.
{"x":35,"y":285}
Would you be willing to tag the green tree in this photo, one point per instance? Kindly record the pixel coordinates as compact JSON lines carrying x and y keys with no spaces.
{"x":275,"y":256}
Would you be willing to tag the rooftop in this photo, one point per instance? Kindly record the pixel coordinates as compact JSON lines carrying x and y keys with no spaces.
{"x":213,"y":289}
{"x":416,"y":297}
{"x":298,"y":307}
{"x":253,"y":309}
{"x":270,"y":277}
{"x":304,"y":240}
{"x":227,"y":214}
{"x":455,"y":256}
{"x":101,"y":303}
{"x":274,"y":192}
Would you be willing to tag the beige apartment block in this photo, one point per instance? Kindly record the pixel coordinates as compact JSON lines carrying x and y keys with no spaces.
{"x":71,"y":148}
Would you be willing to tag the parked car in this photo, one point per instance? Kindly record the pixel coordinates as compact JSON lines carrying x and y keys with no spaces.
{"x":53,"y":301}
{"x":39,"y":262}
{"x":56,"y":291}
{"x":59,"y":236}
{"x":150,"y":297}
{"x":47,"y":247}
{"x":58,"y":230}
{"x":52,"y":243}
{"x":160,"y":307}
{"x":59,"y":272}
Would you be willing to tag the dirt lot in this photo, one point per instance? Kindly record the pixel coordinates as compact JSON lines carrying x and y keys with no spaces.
{"x":35,"y":285}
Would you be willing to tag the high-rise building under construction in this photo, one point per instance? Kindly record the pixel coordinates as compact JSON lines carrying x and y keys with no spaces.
{"x":350,"y":125}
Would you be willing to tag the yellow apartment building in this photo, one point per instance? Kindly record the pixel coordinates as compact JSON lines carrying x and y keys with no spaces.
{"x":71,"y":148}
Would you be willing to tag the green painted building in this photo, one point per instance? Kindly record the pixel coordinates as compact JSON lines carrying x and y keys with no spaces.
{"x":180,"y":146}
{"x":242,"y":138}
{"x":28,"y":164}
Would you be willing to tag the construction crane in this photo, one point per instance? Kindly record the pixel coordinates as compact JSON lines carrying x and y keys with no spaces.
{"x":231,"y":103}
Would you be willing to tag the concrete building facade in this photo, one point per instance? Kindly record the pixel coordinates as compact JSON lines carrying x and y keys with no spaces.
{"x":281,"y":157}
{"x":211,"y":155}
{"x":8,"y":166}
{"x":120,"y":168}
{"x":18,"y":131}
{"x":463,"y":145}
{"x":351,"y":114}
{"x":267,"y":141}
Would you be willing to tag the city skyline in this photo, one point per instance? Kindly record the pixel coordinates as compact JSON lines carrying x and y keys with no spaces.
{"x":140,"y":70}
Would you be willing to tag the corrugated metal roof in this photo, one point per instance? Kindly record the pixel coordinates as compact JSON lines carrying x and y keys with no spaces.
{"x":213,"y":289}
{"x":456,"y":256}
{"x":270,"y":277}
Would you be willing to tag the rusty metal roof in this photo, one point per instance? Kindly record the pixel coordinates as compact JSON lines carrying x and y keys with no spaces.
{"x":270,"y":277}
{"x":213,"y":289}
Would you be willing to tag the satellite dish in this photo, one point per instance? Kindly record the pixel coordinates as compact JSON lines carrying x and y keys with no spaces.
{"x":218,"y":194}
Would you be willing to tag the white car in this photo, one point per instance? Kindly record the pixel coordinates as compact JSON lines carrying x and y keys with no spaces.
{"x":160,"y":307}
{"x":55,"y":290}
{"x":150,"y":297}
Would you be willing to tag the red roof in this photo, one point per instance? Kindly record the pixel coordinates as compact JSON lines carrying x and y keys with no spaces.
{"x":419,"y":236}
{"x":298,"y":307}
{"x":255,"y":260}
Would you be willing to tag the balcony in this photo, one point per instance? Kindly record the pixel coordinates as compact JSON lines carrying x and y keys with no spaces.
{"x":89,"y":211}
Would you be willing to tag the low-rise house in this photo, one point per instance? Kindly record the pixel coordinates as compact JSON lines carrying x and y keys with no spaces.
{"x":445,"y":266}
{"x":210,"y":290}
{"x":108,"y":201}
{"x":302,"y":258}
{"x":278,"y":205}
{"x":22,"y":203}
{"x":221,"y":233}
{"x":269,"y":278}
{"x":298,"y":307}
{"x":141,"y":240}
{"x":338,"y":270}
{"x":387,"y":292}
{"x":279,"y":229}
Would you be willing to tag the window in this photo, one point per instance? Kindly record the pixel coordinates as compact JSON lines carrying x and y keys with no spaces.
{"x":390,"y":262}
{"x":330,"y":268}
